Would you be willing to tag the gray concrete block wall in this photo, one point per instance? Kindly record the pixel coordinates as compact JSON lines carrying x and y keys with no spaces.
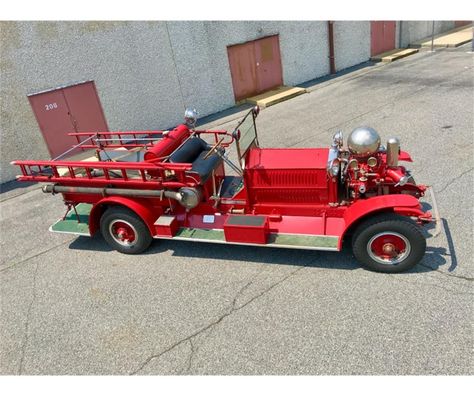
{"x":136,"y":65}
{"x":130,"y":63}
{"x":412,"y":31}
{"x":201,"y":55}
{"x":351,"y":43}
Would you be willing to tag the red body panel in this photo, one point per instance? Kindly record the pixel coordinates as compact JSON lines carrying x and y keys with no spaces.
{"x":288,"y":158}
{"x":296,"y":176}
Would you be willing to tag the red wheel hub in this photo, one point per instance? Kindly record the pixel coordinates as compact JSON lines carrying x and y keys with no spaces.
{"x":388,"y":246}
{"x":123,"y":232}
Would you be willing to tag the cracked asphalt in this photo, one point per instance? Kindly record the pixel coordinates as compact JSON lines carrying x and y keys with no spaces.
{"x":71,"y":306}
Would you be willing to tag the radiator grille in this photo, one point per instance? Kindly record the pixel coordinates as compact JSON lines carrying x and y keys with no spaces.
{"x":288,"y":178}
{"x":289,"y":186}
{"x":298,"y":196}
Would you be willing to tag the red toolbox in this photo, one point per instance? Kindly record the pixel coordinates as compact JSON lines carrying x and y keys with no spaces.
{"x":166,"y":226}
{"x":246,"y":229}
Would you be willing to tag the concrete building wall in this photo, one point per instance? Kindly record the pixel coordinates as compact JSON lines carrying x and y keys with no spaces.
{"x":412,"y":31}
{"x":147,"y":72}
{"x":130,"y":62}
{"x":201,"y":54}
{"x":351,"y":43}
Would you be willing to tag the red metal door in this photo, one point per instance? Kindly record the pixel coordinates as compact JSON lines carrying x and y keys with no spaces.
{"x":67,"y":109}
{"x":255,"y":66}
{"x":54,"y":120}
{"x":461,"y":23}
{"x":382,"y":36}
{"x":86,"y":110}
{"x":242,"y":70}
{"x":268,"y":63}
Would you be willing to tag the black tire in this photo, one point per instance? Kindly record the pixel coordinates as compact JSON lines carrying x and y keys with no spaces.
{"x":385,"y":231}
{"x":124,"y":231}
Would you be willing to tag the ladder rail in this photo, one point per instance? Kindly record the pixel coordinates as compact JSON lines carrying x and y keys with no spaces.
{"x":124,"y":139}
{"x":100,"y":173}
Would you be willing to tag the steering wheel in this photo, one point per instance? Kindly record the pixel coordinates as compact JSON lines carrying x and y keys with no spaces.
{"x":213,"y":148}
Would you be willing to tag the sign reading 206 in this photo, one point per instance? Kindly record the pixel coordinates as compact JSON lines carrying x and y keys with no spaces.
{"x":51,"y":106}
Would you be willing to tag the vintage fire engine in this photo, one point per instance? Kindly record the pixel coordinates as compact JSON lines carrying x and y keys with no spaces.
{"x":172,"y":184}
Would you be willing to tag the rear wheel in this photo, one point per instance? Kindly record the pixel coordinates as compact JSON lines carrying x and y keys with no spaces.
{"x":388,"y":243}
{"x":124,"y":231}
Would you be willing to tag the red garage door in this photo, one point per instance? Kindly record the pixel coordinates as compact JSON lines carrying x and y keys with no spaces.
{"x":255,"y":66}
{"x":382,"y":36}
{"x":74,"y":108}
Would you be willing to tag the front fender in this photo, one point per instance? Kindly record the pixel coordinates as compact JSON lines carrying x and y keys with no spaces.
{"x":404,"y":156}
{"x":402,"y":204}
{"x":138,"y":206}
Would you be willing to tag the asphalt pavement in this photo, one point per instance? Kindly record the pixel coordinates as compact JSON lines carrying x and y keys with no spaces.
{"x":69,"y":305}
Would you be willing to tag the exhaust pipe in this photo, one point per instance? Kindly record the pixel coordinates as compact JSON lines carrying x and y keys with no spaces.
{"x":186,"y":196}
{"x":53,"y":189}
{"x":393,"y":150}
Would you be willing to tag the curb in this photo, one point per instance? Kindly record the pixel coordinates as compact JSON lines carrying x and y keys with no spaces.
{"x":394,"y":55}
{"x":450,"y":39}
{"x":275,"y":96}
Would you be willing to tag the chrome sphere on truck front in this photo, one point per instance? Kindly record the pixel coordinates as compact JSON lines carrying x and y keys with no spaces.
{"x":363,"y":141}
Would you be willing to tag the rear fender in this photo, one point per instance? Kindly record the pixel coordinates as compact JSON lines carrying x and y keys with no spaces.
{"x":138,"y":206}
{"x":405,"y":205}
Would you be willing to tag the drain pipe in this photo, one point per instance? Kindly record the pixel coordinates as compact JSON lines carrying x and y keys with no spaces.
{"x":432,"y":36}
{"x":332,"y":60}
{"x":400,"y":34}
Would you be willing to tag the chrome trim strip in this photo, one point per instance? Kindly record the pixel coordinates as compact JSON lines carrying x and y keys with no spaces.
{"x":268,"y":245}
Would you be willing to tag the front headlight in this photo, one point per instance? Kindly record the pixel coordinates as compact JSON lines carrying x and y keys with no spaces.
{"x":190,"y":117}
{"x":334,"y":167}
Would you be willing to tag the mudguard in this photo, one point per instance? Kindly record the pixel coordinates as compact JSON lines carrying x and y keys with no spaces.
{"x":138,"y":206}
{"x":402,"y":204}
{"x":404,"y":156}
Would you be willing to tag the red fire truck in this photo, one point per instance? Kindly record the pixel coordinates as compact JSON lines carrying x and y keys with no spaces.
{"x":146,"y":185}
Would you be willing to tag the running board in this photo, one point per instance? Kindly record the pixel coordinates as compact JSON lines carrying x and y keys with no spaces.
{"x":70,"y":223}
{"x":286,"y":241}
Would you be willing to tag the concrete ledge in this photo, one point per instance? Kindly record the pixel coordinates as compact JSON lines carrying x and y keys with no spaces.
{"x":393,"y":55}
{"x":451,"y":39}
{"x":275,"y":96}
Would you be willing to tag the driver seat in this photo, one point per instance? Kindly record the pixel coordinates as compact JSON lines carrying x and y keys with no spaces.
{"x":193,"y":151}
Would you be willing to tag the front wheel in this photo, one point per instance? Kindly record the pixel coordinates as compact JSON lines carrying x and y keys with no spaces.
{"x":124,"y":231}
{"x":388,"y":243}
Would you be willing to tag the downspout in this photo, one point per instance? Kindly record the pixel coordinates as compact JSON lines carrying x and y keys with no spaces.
{"x":332,"y":60}
{"x":400,"y":34}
